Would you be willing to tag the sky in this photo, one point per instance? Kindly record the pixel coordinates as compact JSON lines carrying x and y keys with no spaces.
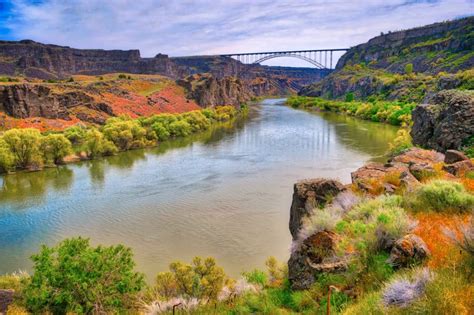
{"x":200,"y":27}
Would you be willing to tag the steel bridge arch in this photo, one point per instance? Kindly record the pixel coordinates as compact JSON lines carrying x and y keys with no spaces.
{"x":311,"y":61}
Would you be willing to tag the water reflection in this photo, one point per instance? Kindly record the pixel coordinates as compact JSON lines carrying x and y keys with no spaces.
{"x":20,"y":187}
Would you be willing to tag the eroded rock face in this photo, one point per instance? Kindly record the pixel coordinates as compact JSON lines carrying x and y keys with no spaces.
{"x":309,"y":259}
{"x":209,"y":91}
{"x":23,"y":100}
{"x":307,"y":194}
{"x":446,"y":122}
{"x":407,"y":250}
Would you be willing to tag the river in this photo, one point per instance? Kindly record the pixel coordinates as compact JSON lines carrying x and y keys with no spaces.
{"x":224,"y":193}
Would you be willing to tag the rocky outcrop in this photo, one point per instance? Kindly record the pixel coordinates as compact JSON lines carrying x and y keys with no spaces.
{"x":408,"y":250}
{"x":446,"y":122}
{"x":209,"y":91}
{"x":424,"y":47}
{"x":25,"y":100}
{"x":313,"y":256}
{"x":42,"y":61}
{"x":308,"y":194}
{"x":367,"y":69}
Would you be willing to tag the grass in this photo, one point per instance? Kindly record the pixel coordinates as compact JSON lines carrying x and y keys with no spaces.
{"x":440,"y":196}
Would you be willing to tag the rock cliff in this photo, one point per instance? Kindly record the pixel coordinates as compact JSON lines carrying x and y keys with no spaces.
{"x":209,"y":91}
{"x":445,"y":122}
{"x":378,"y":67}
{"x":32,"y":59}
{"x":431,"y":48}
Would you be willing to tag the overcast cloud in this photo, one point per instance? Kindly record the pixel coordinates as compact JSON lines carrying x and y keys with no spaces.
{"x":212,"y":27}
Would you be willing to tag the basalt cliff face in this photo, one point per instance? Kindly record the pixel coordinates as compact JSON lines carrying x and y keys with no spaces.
{"x":446,"y":46}
{"x":32,"y":59}
{"x":408,"y":65}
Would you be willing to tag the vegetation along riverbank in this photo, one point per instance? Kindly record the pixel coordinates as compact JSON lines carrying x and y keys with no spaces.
{"x":30,"y":149}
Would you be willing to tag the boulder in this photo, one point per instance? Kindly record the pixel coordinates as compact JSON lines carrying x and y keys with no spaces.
{"x":309,"y":259}
{"x":373,"y":176}
{"x":459,"y":168}
{"x":453,"y":156}
{"x":418,"y":156}
{"x":407,"y":250}
{"x":6,"y":298}
{"x":308,"y":194}
{"x":446,"y":122}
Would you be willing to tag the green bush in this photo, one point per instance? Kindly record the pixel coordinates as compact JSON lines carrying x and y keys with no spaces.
{"x":125,"y":134}
{"x":409,"y":68}
{"x":440,"y":196}
{"x":349,"y":97}
{"x":7,"y":159}
{"x":24,"y":144}
{"x":95,"y":144}
{"x":55,"y":147}
{"x":75,"y":277}
{"x":203,"y":279}
{"x":256,"y":277}
{"x":180,"y":128}
{"x":75,"y":134}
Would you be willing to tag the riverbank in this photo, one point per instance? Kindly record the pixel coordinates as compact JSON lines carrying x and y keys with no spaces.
{"x":28,"y":149}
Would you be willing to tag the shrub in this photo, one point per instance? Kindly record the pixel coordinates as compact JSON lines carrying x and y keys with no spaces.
{"x":374,"y":225}
{"x":55,"y":147}
{"x":440,"y":196}
{"x":402,"y":292}
{"x":466,"y":240}
{"x":125,"y":134}
{"x":409,"y":68}
{"x":75,"y":134}
{"x":202,"y":280}
{"x":7,"y":159}
{"x":196,"y":120}
{"x":349,"y":97}
{"x":24,"y":145}
{"x":277,"y":271}
{"x":97,"y":145}
{"x":75,"y":277}
{"x":161,"y":132}
{"x":257,"y":277}
{"x":180,"y":128}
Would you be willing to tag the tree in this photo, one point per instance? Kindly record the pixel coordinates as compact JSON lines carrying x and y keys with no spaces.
{"x":7,"y":159}
{"x":96,"y":145}
{"x":24,"y":145}
{"x":75,"y":134}
{"x":55,"y":147}
{"x":409,"y":68}
{"x":75,"y":277}
{"x":125,"y":134}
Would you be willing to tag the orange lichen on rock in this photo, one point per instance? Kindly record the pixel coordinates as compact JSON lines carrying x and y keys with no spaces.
{"x":430,"y":229}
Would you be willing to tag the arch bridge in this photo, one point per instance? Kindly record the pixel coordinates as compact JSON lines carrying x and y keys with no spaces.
{"x":320,"y":58}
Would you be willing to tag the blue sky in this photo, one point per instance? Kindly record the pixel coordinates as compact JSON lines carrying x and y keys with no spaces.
{"x":211,"y":27}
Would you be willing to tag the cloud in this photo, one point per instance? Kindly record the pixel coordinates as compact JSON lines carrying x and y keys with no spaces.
{"x":217,"y":26}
